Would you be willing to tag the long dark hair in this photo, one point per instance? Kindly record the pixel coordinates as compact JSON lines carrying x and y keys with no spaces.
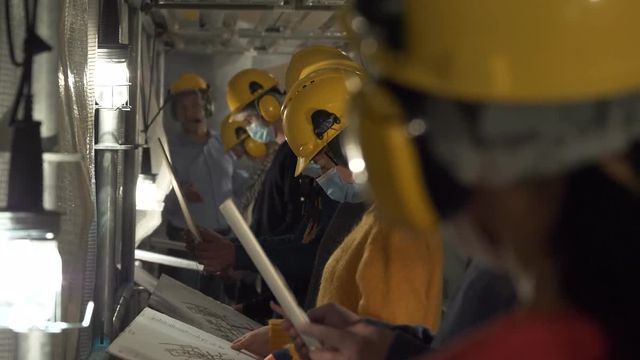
{"x":597,"y":250}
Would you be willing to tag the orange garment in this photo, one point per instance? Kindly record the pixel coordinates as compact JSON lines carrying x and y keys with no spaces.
{"x":382,"y":271}
{"x":279,"y":339}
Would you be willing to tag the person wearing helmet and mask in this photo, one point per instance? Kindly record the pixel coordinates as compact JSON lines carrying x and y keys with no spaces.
{"x":313,"y":115}
{"x":207,"y":174}
{"x":353,"y":267}
{"x":254,"y":100}
{"x":530,"y":137}
{"x":236,"y":141}
{"x":289,"y":212}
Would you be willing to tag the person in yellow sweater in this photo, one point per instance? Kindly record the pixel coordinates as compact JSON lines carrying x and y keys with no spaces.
{"x":384,"y":272}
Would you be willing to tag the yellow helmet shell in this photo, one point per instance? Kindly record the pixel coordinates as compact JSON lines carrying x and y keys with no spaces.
{"x":255,"y":149}
{"x":313,"y":58}
{"x":323,"y":92}
{"x":228,"y":132}
{"x":188,"y":82}
{"x":393,"y":163}
{"x":528,"y":51}
{"x":248,"y":85}
{"x":231,"y":136}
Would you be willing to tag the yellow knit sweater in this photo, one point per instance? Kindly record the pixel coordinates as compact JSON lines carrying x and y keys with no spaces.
{"x":382,"y":271}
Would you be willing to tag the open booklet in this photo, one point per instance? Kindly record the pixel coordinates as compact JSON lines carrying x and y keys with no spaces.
{"x":155,"y":336}
{"x":183,"y":303}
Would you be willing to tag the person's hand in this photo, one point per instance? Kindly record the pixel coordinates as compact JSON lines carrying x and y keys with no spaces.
{"x":331,"y":315}
{"x":358,"y":341}
{"x":255,"y":342}
{"x":229,"y":276}
{"x":310,"y":233}
{"x":191,"y":194}
{"x":238,"y":307}
{"x":215,"y":252}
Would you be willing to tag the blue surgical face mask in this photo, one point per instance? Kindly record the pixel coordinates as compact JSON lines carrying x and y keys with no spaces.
{"x":312,"y":169}
{"x":261,"y":132}
{"x":340,"y":191}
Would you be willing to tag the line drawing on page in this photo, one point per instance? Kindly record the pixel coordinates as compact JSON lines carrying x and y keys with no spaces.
{"x":219,"y":322}
{"x":190,"y":352}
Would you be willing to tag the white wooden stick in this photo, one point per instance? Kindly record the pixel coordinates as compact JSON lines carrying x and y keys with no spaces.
{"x":183,"y":204}
{"x":269,"y":272}
{"x":156,"y":258}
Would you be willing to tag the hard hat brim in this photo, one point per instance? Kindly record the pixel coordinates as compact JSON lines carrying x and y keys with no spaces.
{"x":301,"y":164}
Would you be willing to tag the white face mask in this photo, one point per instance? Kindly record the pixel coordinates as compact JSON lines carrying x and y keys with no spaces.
{"x":341,"y":191}
{"x":261,"y":132}
{"x":313,"y":170}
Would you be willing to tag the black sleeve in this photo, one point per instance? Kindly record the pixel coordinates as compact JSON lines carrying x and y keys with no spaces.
{"x":278,"y":207}
{"x":293,"y":259}
{"x":483,"y":295}
{"x":291,"y":210}
{"x":347,"y":216}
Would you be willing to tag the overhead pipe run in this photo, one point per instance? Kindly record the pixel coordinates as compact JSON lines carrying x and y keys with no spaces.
{"x":298,"y":35}
{"x":256,"y":34}
{"x":248,"y":4}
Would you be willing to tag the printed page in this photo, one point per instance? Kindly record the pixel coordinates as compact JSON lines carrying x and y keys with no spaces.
{"x":155,"y":336}
{"x":181,"y":302}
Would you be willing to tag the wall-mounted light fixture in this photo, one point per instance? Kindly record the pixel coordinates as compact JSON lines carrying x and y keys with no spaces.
{"x":112,"y":78}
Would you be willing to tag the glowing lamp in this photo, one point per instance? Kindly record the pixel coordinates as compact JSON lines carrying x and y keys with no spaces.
{"x":112,"y":79}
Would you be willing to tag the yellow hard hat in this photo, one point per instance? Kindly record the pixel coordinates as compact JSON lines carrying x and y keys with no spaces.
{"x":527,"y":51}
{"x":233,"y":132}
{"x":314,"y":112}
{"x":394,"y":166}
{"x":313,"y":58}
{"x":188,"y":82}
{"x":247,"y":86}
{"x":502,"y":50}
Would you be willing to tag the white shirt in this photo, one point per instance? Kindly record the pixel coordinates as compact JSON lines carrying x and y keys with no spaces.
{"x":212,"y":173}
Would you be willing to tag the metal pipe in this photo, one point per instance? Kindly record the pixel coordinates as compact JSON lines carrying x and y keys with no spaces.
{"x":131,"y":161}
{"x":219,"y":5}
{"x":301,"y":35}
{"x":107,"y":199}
{"x":124,"y":297}
{"x":243,"y":5}
{"x":45,"y":73}
{"x":217,"y":33}
{"x":34,"y":345}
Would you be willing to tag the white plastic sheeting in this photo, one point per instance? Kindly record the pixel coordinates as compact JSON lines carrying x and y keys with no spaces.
{"x":77,"y":238}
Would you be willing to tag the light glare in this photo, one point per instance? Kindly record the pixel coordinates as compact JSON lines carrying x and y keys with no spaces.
{"x":148,"y":196}
{"x":356,"y":165}
{"x":30,"y":279}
